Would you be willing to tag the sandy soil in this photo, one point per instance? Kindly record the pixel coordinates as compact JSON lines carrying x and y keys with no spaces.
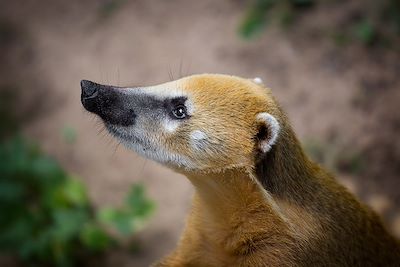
{"x":344,"y":97}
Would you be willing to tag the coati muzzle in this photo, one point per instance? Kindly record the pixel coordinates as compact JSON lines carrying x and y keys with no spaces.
{"x":108,"y":102}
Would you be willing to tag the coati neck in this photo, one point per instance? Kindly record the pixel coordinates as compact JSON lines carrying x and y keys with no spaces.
{"x":231,"y":203}
{"x":229,"y":189}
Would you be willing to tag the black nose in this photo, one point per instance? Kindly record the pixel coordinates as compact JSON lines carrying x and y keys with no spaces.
{"x":89,"y":89}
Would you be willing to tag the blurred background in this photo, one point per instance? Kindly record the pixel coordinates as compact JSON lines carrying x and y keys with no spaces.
{"x":70,"y":196}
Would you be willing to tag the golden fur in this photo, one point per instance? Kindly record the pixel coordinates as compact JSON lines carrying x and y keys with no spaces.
{"x":272,"y":209}
{"x":259,"y":200}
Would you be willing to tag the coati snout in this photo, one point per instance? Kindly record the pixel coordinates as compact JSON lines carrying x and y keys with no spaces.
{"x":108,"y":102}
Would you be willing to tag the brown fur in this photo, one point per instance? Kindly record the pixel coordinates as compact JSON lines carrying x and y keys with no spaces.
{"x":278,"y":209}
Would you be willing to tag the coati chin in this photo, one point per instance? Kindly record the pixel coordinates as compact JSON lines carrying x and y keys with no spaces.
{"x":259,"y":200}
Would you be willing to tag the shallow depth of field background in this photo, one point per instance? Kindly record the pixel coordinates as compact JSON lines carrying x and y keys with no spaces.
{"x":333,"y":65}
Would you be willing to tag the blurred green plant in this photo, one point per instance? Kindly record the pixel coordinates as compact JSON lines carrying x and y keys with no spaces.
{"x":109,"y":7}
{"x":69,"y":134}
{"x":365,"y":31}
{"x":374,"y":23}
{"x":261,"y":12}
{"x":9,"y":121}
{"x":361,"y":30}
{"x":391,"y":15}
{"x":131,"y":216}
{"x":335,"y":158}
{"x":47,"y":219}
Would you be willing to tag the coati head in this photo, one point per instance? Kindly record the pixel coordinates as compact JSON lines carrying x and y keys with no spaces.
{"x":203,"y":122}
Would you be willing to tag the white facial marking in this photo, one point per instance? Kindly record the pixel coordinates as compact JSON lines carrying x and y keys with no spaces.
{"x":198,"y":135}
{"x":197,"y":139}
{"x":150,"y":147}
{"x":170,"y":125}
{"x":258,"y":80}
{"x":189,"y":107}
{"x":273,"y":127}
{"x":160,"y":155}
{"x":162,"y":91}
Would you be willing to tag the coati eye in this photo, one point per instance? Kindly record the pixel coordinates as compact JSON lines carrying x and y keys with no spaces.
{"x":180,"y":112}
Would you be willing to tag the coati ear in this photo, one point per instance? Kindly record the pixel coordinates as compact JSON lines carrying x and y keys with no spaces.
{"x":268,"y":131}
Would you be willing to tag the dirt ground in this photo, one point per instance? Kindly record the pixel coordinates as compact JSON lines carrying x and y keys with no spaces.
{"x":345,"y":99}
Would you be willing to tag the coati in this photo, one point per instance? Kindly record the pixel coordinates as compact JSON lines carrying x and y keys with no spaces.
{"x":259,"y":200}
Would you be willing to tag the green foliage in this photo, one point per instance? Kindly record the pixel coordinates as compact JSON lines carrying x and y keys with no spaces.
{"x":365,"y":31}
{"x":256,"y":17}
{"x":350,"y":162}
{"x":69,"y":134}
{"x":9,"y":121}
{"x":131,"y":216}
{"x":334,"y":157}
{"x":391,"y":15}
{"x":47,"y":219}
{"x":315,"y":150}
{"x":109,"y":7}
{"x":361,"y":30}
{"x":374,"y":23}
{"x":262,"y":11}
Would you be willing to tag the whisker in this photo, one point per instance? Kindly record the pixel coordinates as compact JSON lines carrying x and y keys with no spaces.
{"x":188,"y":68}
{"x":100,"y":132}
{"x":143,"y":166}
{"x":172,"y":72}
{"x":110,"y":140}
{"x":116,"y":148}
{"x":118,"y":84}
{"x":101,"y":73}
{"x":103,"y":135}
{"x":171,"y":77}
{"x":180,"y":67}
{"x":107,"y":77}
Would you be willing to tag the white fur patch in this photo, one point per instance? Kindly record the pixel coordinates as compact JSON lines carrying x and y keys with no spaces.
{"x":273,"y":127}
{"x":150,"y":147}
{"x":162,"y":91}
{"x":160,"y":155}
{"x":198,"y":135}
{"x":197,"y":139}
{"x":258,"y":80}
{"x":170,"y":125}
{"x":189,"y":107}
